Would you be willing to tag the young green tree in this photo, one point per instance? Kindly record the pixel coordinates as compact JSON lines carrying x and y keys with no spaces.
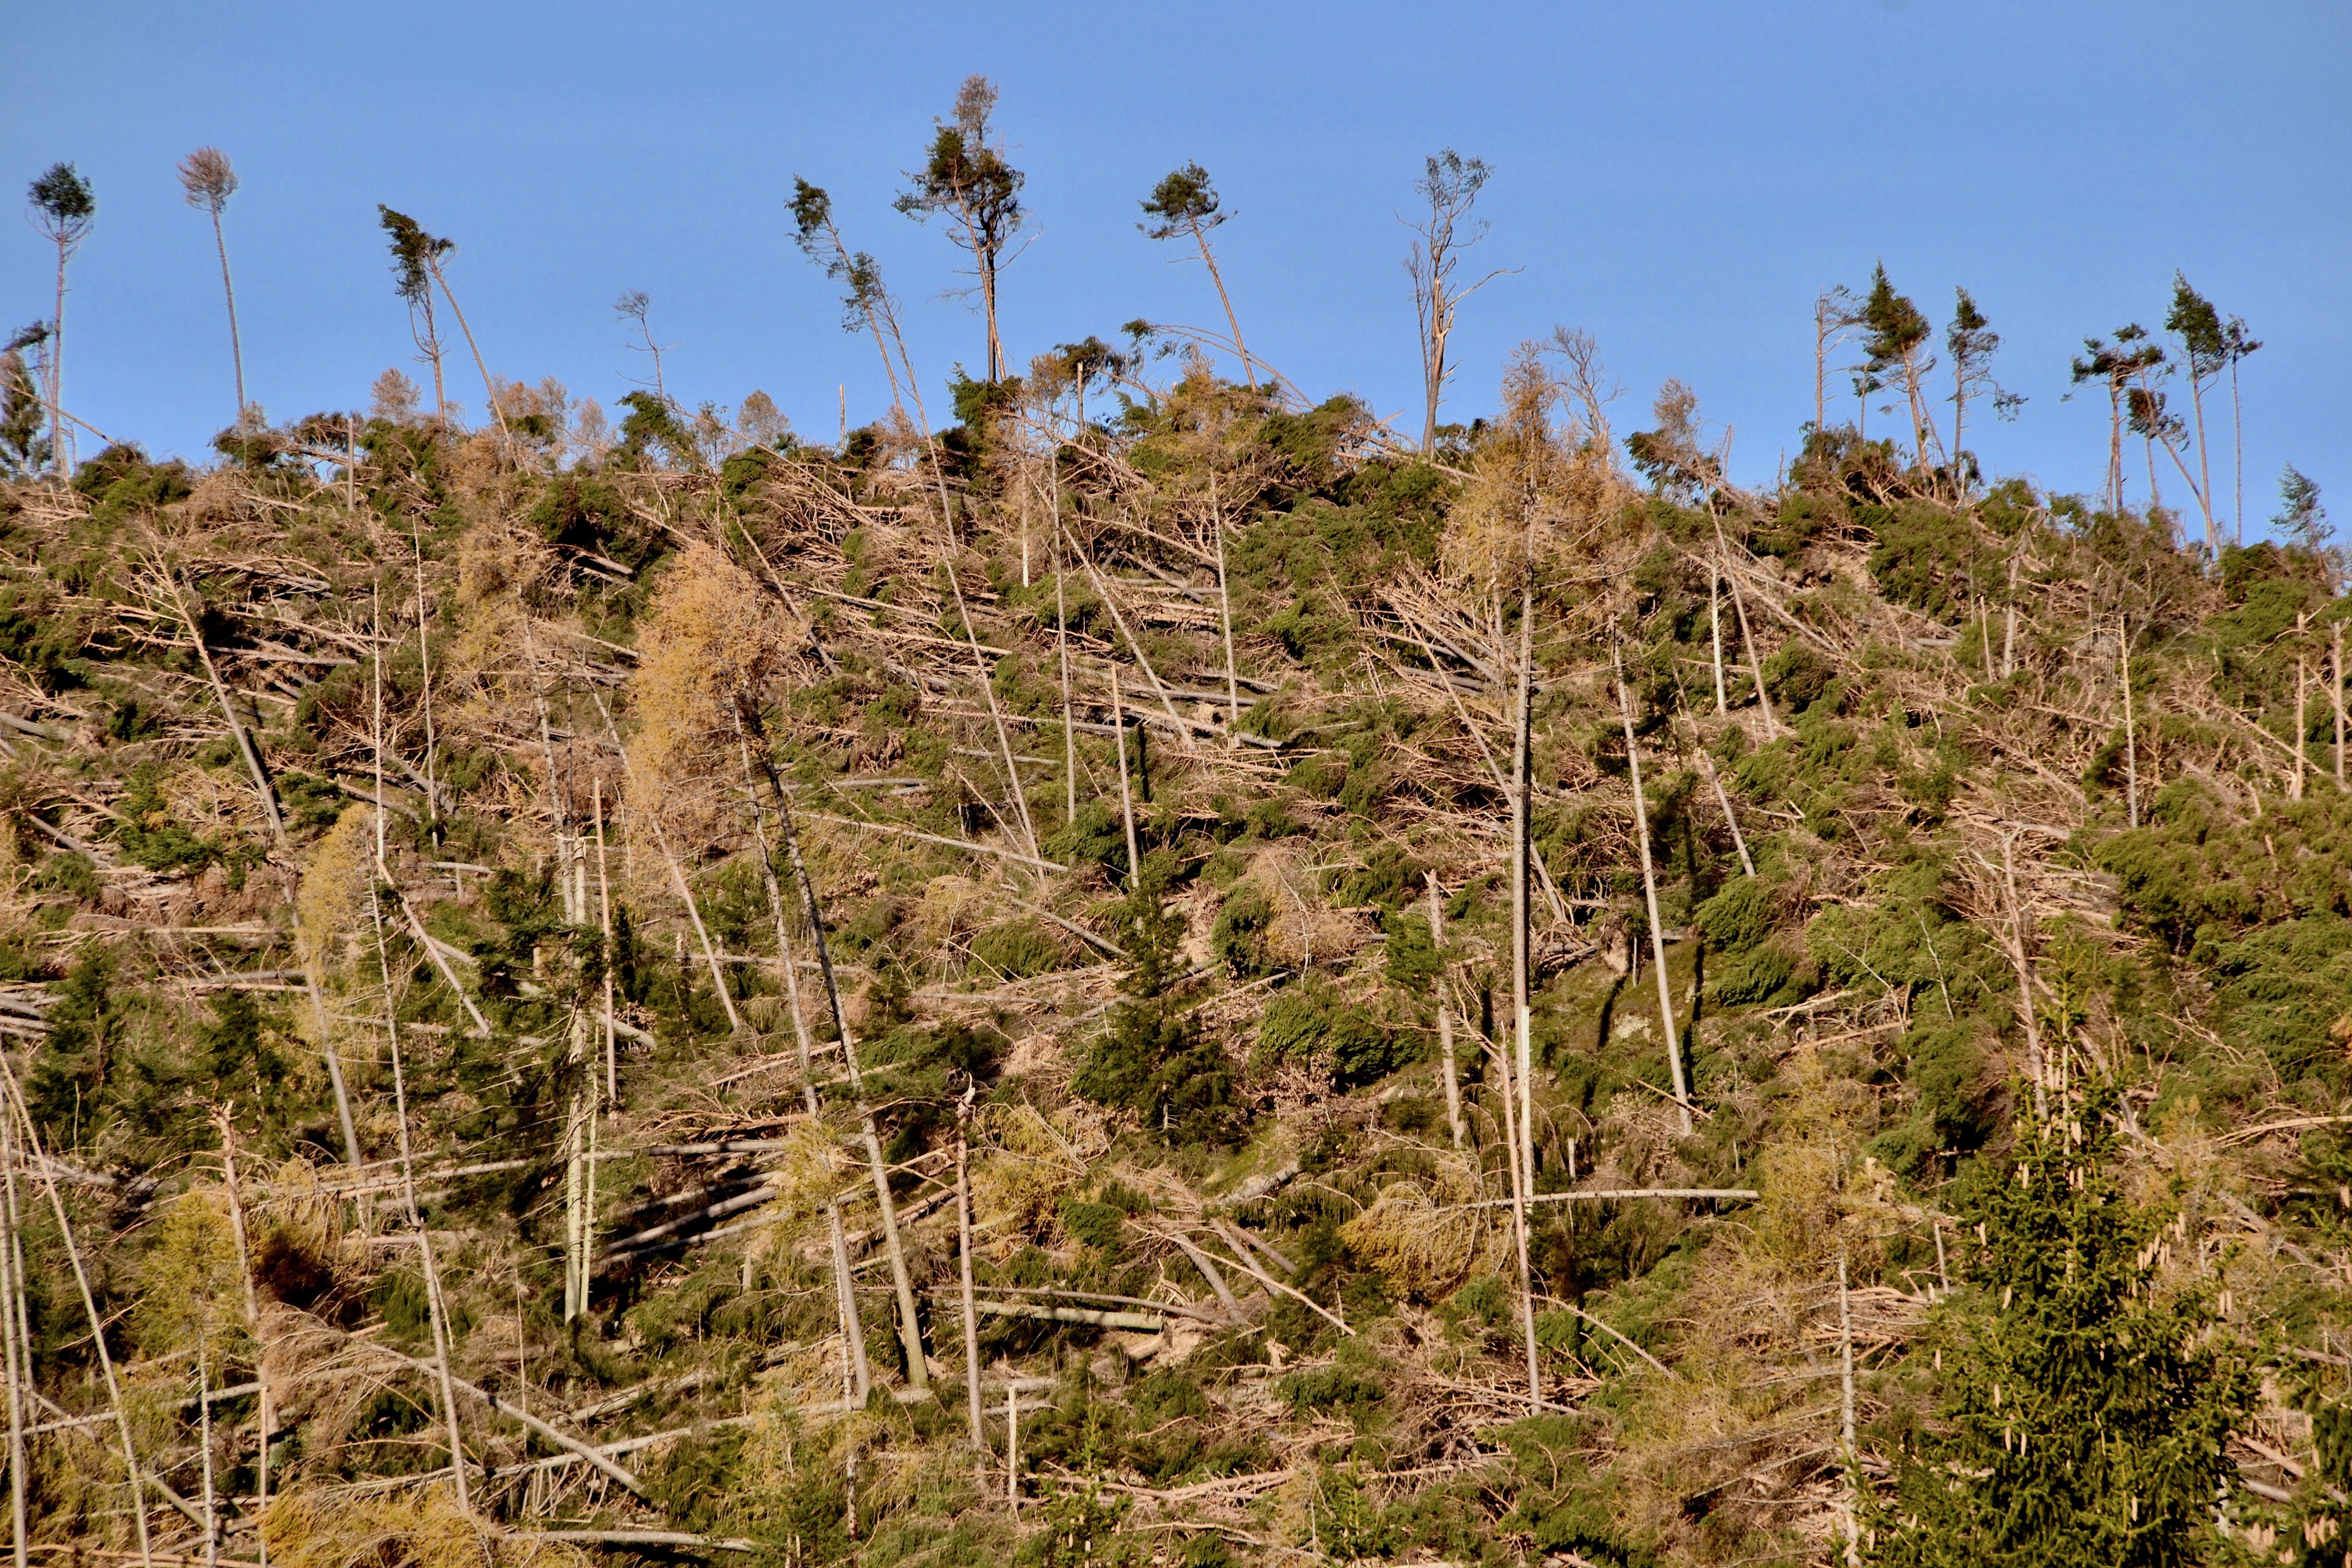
{"x":967,"y":177}
{"x":1450,"y":185}
{"x":1897,"y":336}
{"x":2083,"y":1409}
{"x":209,"y":180}
{"x":64,"y":209}
{"x":1185,"y":203}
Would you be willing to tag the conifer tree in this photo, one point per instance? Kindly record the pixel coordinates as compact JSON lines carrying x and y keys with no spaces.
{"x":2205,"y":345}
{"x":1897,"y":334}
{"x":209,"y":180}
{"x":1450,"y":185}
{"x":413,"y":253}
{"x":1185,"y":203}
{"x":967,"y":177}
{"x":2083,"y":1409}
{"x":1972,"y":342}
{"x":63,"y":209}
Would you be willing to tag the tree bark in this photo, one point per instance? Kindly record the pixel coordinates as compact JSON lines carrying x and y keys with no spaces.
{"x":1444,"y":1017}
{"x":1650,"y":895}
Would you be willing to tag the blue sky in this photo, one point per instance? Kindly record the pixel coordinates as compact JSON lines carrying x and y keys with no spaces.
{"x":1679,"y":179}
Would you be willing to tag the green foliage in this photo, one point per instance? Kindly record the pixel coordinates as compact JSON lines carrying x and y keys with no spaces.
{"x":2083,"y":1408}
{"x":1313,"y":1022}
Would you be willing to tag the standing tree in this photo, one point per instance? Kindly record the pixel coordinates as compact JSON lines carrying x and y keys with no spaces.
{"x":63,"y":208}
{"x":2205,"y":343}
{"x":412,"y":254}
{"x":1971,"y":341}
{"x":416,"y":258}
{"x":967,"y":177}
{"x":2084,"y":1405}
{"x":209,"y":180}
{"x":1834,"y":318}
{"x":1451,"y":185}
{"x":2238,"y":344}
{"x":2114,"y":366}
{"x":1185,"y":203}
{"x":1898,"y":332}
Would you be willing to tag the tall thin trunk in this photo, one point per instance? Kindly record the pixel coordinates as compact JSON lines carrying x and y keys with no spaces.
{"x":60,"y":439}
{"x":489,"y":388}
{"x":604,"y":928}
{"x":1225,"y":616}
{"x":1730,"y":817}
{"x":2302,"y":720}
{"x":1715,"y":637}
{"x":2131,"y":739}
{"x":14,"y":1114}
{"x":2204,"y":464}
{"x":1503,"y":1076}
{"x":236,"y":348}
{"x":1126,"y":794}
{"x":2008,"y":634}
{"x":845,"y":1298}
{"x":1845,"y":1419}
{"x":205,"y":1448}
{"x":432,"y":352}
{"x":1523,"y":1166}
{"x":1232,"y":321}
{"x":963,"y":1270}
{"x":424,"y":697}
{"x":2238,"y":437}
{"x":1650,"y":896}
{"x":1445,"y":1016}
{"x":902,"y":1284}
{"x":2335,"y":698}
{"x":435,"y":1308}
{"x":1747,"y":635}
{"x":2015,"y":943}
{"x":10,"y":1286}
{"x":1062,"y":650}
{"x":267,"y":1414}
{"x":2115,"y":448}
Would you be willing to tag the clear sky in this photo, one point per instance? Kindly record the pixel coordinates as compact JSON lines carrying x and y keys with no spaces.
{"x":1679,"y":179}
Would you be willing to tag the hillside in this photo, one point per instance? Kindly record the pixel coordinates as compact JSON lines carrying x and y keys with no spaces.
{"x":507,"y":929}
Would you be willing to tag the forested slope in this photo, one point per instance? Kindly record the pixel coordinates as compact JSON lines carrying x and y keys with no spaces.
{"x":506,"y":931}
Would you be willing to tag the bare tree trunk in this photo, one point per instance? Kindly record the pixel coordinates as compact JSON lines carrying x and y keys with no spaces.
{"x":1747,"y":635}
{"x":853,"y":1337}
{"x":1504,"y":1075}
{"x":489,"y":388}
{"x":1730,"y":817}
{"x":909,"y":1326}
{"x":1715,"y":635}
{"x":2014,"y":943}
{"x":205,"y":1448}
{"x":2336,"y":697}
{"x":2302,"y":721}
{"x":1126,"y":794}
{"x":1209,"y":259}
{"x":1445,"y":1016}
{"x":1523,"y":1140}
{"x":1650,"y":893}
{"x":2131,"y":739}
{"x":12,"y":1114}
{"x":1845,"y":1423}
{"x":1225,"y":615}
{"x":10,"y":1288}
{"x":425,"y":699}
{"x":963,"y":1270}
{"x":60,"y":439}
{"x":2238,"y":436}
{"x":2009,"y":636}
{"x":235,"y":348}
{"x":605,"y":926}
{"x":1062,"y":649}
{"x":434,"y":1306}
{"x":267,"y":1413}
